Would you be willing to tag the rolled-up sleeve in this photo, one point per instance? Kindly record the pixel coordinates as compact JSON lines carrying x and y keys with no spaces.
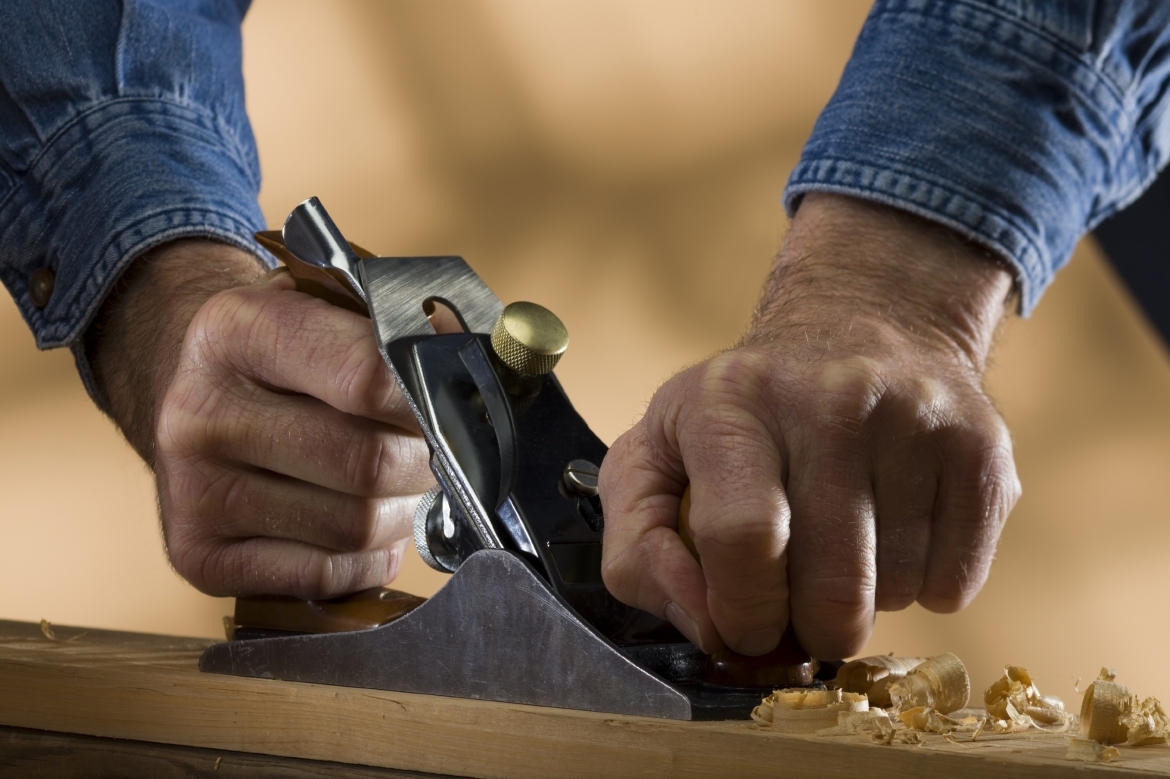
{"x":1019,"y":125}
{"x":122,"y":126}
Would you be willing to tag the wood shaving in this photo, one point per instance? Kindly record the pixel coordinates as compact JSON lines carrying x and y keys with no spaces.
{"x":855,"y":723}
{"x":1111,"y":714}
{"x":1146,"y":723}
{"x":940,"y":683}
{"x":931,"y":721}
{"x":979,"y":730}
{"x":49,"y":633}
{"x":909,"y":737}
{"x":1088,"y":751}
{"x":1014,"y":704}
{"x":806,"y":711}
{"x":874,"y":675}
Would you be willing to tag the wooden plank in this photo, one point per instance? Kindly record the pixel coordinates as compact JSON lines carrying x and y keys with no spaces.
{"x":39,"y":754}
{"x":148,"y":688}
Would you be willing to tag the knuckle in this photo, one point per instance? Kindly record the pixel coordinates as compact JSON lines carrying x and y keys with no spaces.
{"x":751,"y":531}
{"x":848,"y":391}
{"x":840,"y":600}
{"x":984,"y":476}
{"x":619,"y":569}
{"x":371,"y":464}
{"x":732,"y":375}
{"x":205,"y":565}
{"x":363,"y":379}
{"x":626,"y":569}
{"x":361,"y":529}
{"x":947,"y":595}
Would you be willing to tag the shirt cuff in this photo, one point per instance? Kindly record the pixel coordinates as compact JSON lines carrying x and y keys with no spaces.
{"x":120,"y":179}
{"x":973,"y":118}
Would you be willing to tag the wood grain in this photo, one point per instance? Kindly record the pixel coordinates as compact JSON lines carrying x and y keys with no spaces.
{"x":148,"y":688}
{"x":40,"y":754}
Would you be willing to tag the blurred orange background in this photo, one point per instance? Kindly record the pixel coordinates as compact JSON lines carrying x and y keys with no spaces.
{"x":621,"y":163}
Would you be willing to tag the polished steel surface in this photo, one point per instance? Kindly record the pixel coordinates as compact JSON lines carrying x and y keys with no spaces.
{"x":494,"y":632}
{"x":429,"y":500}
{"x":321,"y":261}
{"x":312,"y":237}
{"x":399,"y":291}
{"x":581,"y":478}
{"x":399,"y":287}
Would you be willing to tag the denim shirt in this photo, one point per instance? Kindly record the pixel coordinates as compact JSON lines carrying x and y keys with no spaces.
{"x":1019,"y":124}
{"x":122,"y":127}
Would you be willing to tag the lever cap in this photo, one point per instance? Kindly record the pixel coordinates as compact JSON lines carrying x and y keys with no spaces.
{"x":529,"y":338}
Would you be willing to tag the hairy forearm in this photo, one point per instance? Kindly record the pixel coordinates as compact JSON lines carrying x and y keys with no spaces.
{"x":134,"y":343}
{"x":848,"y":264}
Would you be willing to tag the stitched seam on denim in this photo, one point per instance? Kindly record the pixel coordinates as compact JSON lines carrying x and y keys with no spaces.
{"x":72,"y":124}
{"x":1079,"y":60}
{"x":201,"y":127}
{"x":194,"y":229}
{"x":117,"y":251}
{"x":1030,"y":288}
{"x":1034,"y":276}
{"x":946,"y":187}
{"x":123,"y":247}
{"x":895,"y":158}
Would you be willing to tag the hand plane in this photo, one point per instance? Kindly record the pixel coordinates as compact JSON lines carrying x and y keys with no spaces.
{"x":515,"y":519}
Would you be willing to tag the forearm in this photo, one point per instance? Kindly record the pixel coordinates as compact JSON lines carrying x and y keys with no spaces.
{"x":849,"y":266}
{"x":134,"y":343}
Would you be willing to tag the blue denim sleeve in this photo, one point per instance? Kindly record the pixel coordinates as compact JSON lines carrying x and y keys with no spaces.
{"x":122,"y":126}
{"x":1021,"y":125}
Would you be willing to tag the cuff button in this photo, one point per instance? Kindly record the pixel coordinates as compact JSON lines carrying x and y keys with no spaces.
{"x":40,"y":287}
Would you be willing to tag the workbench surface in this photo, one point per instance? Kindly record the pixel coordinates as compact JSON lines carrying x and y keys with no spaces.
{"x":148,"y":689}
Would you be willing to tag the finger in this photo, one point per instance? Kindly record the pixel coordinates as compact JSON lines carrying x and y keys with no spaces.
{"x":303,"y":438}
{"x":237,"y":504}
{"x":293,"y":342}
{"x":739,"y":513}
{"x":905,"y":483}
{"x":644,"y":562}
{"x":271,"y":566}
{"x":832,"y":569}
{"x":978,"y":489}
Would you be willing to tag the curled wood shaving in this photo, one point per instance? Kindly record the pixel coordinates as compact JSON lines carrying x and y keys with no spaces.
{"x":806,"y":711}
{"x":49,"y":633}
{"x":874,"y":675}
{"x":940,"y":683}
{"x":1111,"y":714}
{"x":1015,"y":704}
{"x":1089,"y":751}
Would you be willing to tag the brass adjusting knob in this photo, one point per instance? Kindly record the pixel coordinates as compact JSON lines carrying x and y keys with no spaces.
{"x":529,"y":338}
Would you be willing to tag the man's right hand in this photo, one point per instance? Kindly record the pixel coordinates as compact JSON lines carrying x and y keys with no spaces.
{"x":287,"y":459}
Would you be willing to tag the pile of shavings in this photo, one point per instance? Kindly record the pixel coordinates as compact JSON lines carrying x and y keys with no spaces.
{"x":1014,"y":704}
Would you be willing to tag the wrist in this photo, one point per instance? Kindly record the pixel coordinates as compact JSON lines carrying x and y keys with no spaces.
{"x":134,"y":342}
{"x":853,"y":271}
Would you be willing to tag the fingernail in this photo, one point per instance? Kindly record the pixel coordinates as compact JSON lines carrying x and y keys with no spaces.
{"x":759,"y":642}
{"x":681,"y":620}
